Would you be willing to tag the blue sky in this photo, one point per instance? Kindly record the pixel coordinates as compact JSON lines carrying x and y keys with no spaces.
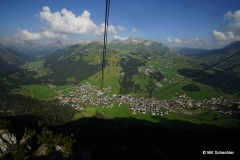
{"x":190,"y":23}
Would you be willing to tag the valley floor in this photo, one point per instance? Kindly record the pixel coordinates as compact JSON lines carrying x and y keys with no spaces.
{"x":91,"y":102}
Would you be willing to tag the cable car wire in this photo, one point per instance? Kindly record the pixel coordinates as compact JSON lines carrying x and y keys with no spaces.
{"x":105,"y":40}
{"x":198,"y":73}
{"x":201,"y":80}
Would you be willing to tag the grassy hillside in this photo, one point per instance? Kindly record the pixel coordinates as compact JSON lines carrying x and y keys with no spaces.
{"x":122,"y":111}
{"x":146,"y":69}
{"x":80,"y":63}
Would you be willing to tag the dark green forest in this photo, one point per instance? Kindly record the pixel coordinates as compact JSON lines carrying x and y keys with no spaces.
{"x":157,"y":75}
{"x":80,"y":69}
{"x":130,"y":67}
{"x":191,"y":88}
{"x":11,"y":77}
{"x":50,"y":112}
{"x":226,"y":82}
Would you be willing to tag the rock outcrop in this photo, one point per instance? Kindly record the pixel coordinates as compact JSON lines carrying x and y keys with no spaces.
{"x":3,"y":146}
{"x":6,"y":140}
{"x":10,"y":138}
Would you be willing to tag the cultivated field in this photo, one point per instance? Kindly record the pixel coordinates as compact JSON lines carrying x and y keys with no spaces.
{"x":37,"y":66}
{"x":210,"y":118}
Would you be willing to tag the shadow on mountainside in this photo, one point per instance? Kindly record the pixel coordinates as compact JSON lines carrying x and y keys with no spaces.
{"x":129,"y":138}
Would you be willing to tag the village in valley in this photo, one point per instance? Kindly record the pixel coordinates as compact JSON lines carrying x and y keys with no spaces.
{"x":87,"y":95}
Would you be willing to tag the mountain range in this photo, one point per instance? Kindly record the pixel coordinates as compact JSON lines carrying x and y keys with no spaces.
{"x":228,"y":50}
{"x":10,"y":57}
{"x":79,"y":62}
{"x":37,"y":48}
{"x":186,"y":50}
{"x":43,"y":48}
{"x":137,"y":71}
{"x":7,"y":57}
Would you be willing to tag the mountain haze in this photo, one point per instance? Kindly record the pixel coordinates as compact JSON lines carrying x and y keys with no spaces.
{"x":228,"y":50}
{"x":38,"y":48}
{"x":215,"y":55}
{"x":186,"y":50}
{"x":7,"y":57}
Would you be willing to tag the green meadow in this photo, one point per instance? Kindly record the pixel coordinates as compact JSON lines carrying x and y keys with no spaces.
{"x":37,"y":66}
{"x":64,"y":89}
{"x":122,"y":111}
{"x":40,"y":91}
{"x":112,"y":73}
{"x":111,"y":76}
{"x":22,"y":91}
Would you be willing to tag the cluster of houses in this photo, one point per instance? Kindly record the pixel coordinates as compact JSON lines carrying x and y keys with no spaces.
{"x":170,"y":80}
{"x":158,"y":84}
{"x":219,"y":104}
{"x":87,"y":94}
{"x":152,"y":69}
{"x":51,"y":86}
{"x":147,"y":105}
{"x":151,"y":57}
{"x":148,"y":70}
{"x":168,"y":64}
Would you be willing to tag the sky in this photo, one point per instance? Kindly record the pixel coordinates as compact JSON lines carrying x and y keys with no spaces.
{"x":205,"y":24}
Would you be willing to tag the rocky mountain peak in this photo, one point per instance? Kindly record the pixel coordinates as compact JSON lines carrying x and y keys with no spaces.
{"x":80,"y":41}
{"x":3,"y":49}
{"x":130,"y":39}
{"x":6,"y":56}
{"x":234,"y":44}
{"x":135,"y":39}
{"x":58,"y":42}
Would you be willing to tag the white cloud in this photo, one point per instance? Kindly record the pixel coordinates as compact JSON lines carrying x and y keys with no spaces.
{"x":225,"y":38}
{"x":50,"y":34}
{"x":209,"y":24}
{"x":119,"y":37}
{"x":121,"y":28}
{"x":46,"y":33}
{"x":232,"y":30}
{"x":100,"y":30}
{"x":235,"y":16}
{"x":66,"y":22}
{"x":196,"y":41}
{"x":234,"y":19}
{"x":169,"y":39}
{"x":176,"y":40}
{"x":6,"y":38}
{"x":26,"y":35}
{"x":134,"y":29}
{"x":234,"y":27}
{"x":192,"y":42}
{"x":63,"y":23}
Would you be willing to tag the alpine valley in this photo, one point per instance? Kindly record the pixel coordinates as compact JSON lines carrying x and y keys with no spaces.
{"x":149,"y":91}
